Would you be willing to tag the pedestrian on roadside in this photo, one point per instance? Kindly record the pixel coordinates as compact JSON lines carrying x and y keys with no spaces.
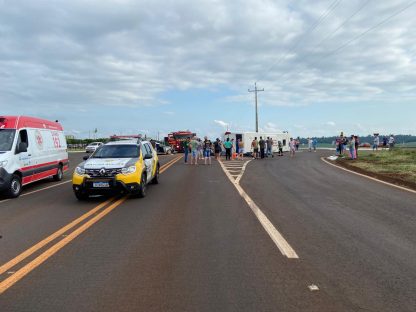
{"x":186,"y":146}
{"x":357,"y":144}
{"x":240,"y":145}
{"x":217,"y":149}
{"x":280,"y":146}
{"x":351,"y":146}
{"x":200,"y":149}
{"x":314,"y":144}
{"x":384,"y":142}
{"x":391,"y":142}
{"x":262,"y":144}
{"x":228,"y":149}
{"x":292,"y":147}
{"x":194,"y":151}
{"x":376,"y":142}
{"x":269,"y":147}
{"x":207,"y":150}
{"x":255,"y":147}
{"x":310,"y":144}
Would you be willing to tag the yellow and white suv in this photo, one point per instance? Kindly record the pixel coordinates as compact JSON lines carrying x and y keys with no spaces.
{"x":117,"y":167}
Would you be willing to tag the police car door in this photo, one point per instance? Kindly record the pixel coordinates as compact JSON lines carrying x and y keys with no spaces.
{"x":148,"y":162}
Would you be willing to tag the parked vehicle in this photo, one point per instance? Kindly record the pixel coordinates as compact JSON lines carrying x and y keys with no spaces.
{"x":91,"y":148}
{"x":162,"y":149}
{"x":175,"y":140}
{"x":117,"y":167}
{"x":248,"y":137}
{"x":31,"y":149}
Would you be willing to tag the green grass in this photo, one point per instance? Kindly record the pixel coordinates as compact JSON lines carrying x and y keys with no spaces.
{"x":399,"y":163}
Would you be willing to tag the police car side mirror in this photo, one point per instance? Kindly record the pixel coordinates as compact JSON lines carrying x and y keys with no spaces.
{"x":22,"y":148}
{"x":148,"y":156}
{"x":85,"y":157}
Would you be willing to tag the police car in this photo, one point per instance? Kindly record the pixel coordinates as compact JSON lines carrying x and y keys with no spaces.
{"x":117,"y":167}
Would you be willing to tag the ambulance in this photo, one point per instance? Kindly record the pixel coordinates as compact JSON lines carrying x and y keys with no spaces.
{"x":248,"y":137}
{"x":31,"y":149}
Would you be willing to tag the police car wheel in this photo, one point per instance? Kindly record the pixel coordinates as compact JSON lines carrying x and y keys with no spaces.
{"x":155,"y":179}
{"x":15,"y":186}
{"x":142,"y":188}
{"x":81,"y":196}
{"x":59,"y":175}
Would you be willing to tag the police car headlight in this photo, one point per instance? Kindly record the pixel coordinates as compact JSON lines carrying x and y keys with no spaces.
{"x":80,"y":170}
{"x":128,"y":170}
{"x":3,"y":163}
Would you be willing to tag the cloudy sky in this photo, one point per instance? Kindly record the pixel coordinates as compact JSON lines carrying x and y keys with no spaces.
{"x":155,"y":66}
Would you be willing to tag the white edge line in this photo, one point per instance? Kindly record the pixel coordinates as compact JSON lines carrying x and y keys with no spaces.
{"x":368,"y":177}
{"x":242,"y":172}
{"x":274,"y":234}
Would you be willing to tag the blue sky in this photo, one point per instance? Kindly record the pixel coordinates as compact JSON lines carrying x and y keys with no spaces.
{"x":153,"y":67}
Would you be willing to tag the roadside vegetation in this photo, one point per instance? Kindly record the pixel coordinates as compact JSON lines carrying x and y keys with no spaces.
{"x":397,"y":166}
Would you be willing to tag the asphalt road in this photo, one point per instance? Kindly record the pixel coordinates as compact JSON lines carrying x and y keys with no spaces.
{"x":193,"y":244}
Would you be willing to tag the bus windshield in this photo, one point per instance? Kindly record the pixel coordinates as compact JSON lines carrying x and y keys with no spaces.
{"x":6,"y":139}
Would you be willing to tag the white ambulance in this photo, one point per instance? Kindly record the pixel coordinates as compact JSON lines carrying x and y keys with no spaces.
{"x":31,"y":149}
{"x":248,"y":137}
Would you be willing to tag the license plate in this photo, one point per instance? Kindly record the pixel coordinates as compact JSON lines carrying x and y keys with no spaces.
{"x":100,"y":184}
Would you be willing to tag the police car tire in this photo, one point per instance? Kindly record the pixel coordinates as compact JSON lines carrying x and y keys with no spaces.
{"x":155,"y":179}
{"x":142,"y":188}
{"x":15,"y":186}
{"x":81,"y":196}
{"x":59,"y":175}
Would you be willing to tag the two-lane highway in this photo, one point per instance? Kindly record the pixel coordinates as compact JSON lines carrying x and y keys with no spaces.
{"x":194,"y":244}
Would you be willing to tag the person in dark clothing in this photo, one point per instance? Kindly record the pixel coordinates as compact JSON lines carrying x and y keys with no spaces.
{"x":217,"y":148}
{"x":280,"y":145}
{"x":262,"y":145}
{"x":357,"y":143}
{"x":228,"y":145}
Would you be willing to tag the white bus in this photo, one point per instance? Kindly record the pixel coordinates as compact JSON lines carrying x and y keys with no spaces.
{"x":248,"y":137}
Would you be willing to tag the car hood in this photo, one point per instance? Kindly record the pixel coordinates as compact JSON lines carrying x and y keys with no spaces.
{"x":109,"y":163}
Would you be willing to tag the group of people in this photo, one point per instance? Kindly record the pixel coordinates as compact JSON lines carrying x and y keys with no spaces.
{"x":387,"y":142}
{"x":344,"y":144}
{"x":197,"y":149}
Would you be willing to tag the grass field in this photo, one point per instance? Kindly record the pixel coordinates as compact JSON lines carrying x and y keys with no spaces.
{"x":399,"y":163}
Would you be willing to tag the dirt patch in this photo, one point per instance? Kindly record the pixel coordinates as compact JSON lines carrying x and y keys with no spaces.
{"x":394,"y":178}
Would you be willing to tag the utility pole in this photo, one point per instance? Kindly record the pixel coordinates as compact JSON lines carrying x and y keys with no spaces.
{"x":255,"y":96}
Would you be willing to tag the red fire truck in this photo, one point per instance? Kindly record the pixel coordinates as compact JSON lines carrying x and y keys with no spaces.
{"x":175,"y":139}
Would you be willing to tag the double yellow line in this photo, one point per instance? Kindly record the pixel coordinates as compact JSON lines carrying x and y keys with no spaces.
{"x":22,"y":272}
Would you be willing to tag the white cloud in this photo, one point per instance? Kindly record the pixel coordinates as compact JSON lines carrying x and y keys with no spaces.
{"x":330,"y":123}
{"x":221,"y":123}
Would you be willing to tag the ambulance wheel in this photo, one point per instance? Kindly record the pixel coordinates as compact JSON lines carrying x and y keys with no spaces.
{"x":155,"y":179}
{"x":15,"y":187}
{"x":81,"y":196}
{"x":142,"y":188}
{"x":59,"y":175}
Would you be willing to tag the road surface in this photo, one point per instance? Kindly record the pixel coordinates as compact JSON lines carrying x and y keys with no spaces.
{"x":194,"y":243}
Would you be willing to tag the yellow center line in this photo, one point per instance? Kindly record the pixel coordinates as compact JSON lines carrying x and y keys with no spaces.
{"x":51,"y":237}
{"x":10,"y":281}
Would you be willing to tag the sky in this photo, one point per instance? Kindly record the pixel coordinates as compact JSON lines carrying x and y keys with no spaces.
{"x":152,"y":67}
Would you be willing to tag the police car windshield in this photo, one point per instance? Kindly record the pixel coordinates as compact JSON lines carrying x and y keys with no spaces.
{"x":117,"y":151}
{"x":6,"y":139}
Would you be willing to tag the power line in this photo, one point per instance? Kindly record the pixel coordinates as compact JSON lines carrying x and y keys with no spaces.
{"x":322,"y":17}
{"x":359,"y":36}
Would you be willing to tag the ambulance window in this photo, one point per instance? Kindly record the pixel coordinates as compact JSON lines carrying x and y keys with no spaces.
{"x":23,"y":138}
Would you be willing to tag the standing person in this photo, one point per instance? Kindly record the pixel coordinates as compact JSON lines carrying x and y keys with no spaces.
{"x":356,"y":143}
{"x":292,"y":146}
{"x":255,"y":147}
{"x":297,"y":143}
{"x":262,"y":144}
{"x":310,"y":144}
{"x":240,"y":145}
{"x":384,"y":142}
{"x":351,"y":146}
{"x":200,"y":149}
{"x":376,"y":142}
{"x":186,"y":146}
{"x":280,"y":146}
{"x":228,"y":149}
{"x":217,"y":149}
{"x":207,"y":150}
{"x":194,"y":151}
{"x":391,"y":142}
{"x":269,"y":147}
{"x":314,"y":144}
